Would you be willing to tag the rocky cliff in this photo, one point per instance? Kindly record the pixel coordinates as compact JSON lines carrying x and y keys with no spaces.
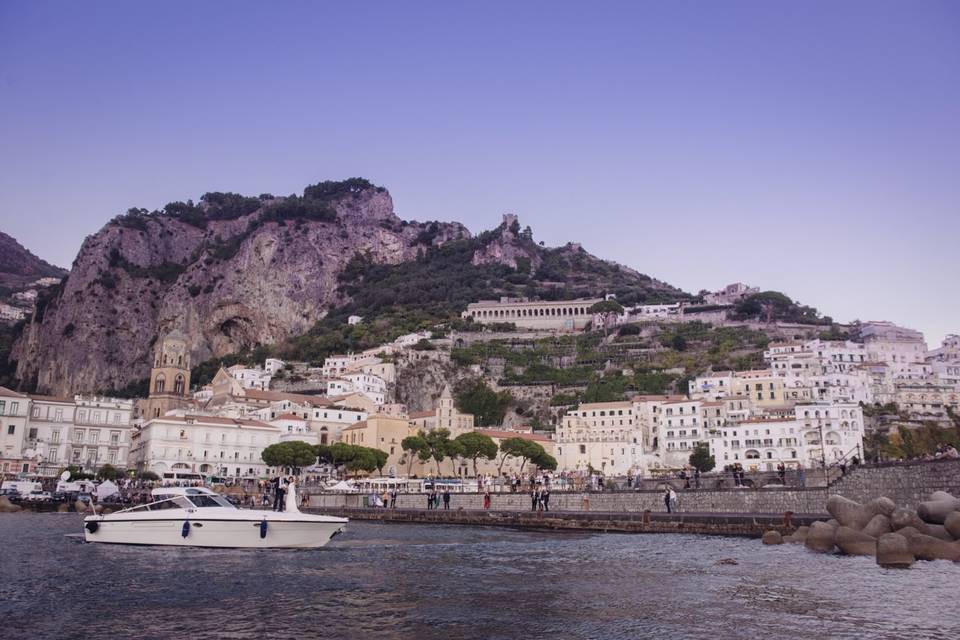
{"x":234,"y":272}
{"x":230,"y":273}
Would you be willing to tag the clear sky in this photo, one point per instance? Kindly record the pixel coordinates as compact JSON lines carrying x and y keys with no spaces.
{"x":810,"y":147}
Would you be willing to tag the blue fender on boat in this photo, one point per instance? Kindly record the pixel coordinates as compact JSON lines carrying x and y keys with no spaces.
{"x":186,"y":529}
{"x":263,"y":528}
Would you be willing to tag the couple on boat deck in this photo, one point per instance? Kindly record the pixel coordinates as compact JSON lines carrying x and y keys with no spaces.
{"x":284,"y":494}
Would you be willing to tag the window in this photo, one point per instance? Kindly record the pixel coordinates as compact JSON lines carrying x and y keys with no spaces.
{"x":3,"y":406}
{"x":78,"y":435}
{"x":94,"y":436}
{"x":53,"y":456}
{"x":32,"y":435}
{"x":14,"y":407}
{"x":55,"y":436}
{"x":114,"y":437}
{"x":58,"y":415}
{"x":11,"y":429}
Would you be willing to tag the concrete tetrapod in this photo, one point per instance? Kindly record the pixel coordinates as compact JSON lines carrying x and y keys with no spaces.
{"x":856,"y":543}
{"x":848,"y":513}
{"x":938,"y":531}
{"x":952,"y":524}
{"x":883,"y":505}
{"x":772,"y":537}
{"x":906,"y":518}
{"x":941,"y":495}
{"x":925,"y":547}
{"x":798,"y":536}
{"x":878,"y":525}
{"x":8,"y":507}
{"x":820,"y":538}
{"x":893,"y":550}
{"x":936,"y":511}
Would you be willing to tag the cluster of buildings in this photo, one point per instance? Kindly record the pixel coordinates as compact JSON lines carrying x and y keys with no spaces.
{"x":222,"y":429}
{"x":804,"y":410}
{"x":20,"y":303}
{"x":42,"y":434}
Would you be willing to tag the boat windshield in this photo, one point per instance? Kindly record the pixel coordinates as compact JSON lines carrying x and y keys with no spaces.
{"x":176,"y":502}
{"x":204,"y":500}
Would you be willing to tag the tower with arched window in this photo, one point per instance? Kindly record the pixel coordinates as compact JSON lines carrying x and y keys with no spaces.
{"x":169,"y":376}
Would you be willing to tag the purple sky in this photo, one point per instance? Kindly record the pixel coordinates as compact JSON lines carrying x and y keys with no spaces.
{"x":810,"y":147}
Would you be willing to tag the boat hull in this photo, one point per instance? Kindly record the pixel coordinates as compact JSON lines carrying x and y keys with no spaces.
{"x":226,"y":534}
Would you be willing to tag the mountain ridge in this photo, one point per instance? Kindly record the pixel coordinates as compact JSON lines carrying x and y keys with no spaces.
{"x":234,"y":273}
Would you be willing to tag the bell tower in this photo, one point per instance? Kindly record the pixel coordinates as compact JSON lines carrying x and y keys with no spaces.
{"x":169,"y":377}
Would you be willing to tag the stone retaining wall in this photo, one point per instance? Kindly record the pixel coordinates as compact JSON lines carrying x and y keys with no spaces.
{"x":708,"y":524}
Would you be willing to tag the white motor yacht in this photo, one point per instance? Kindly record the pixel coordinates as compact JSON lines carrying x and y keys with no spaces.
{"x":198,"y":517}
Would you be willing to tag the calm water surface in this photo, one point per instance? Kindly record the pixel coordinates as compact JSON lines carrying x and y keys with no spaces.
{"x":408,"y":581}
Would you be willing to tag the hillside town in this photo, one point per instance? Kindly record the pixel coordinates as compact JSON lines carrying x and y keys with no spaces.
{"x":810,"y":407}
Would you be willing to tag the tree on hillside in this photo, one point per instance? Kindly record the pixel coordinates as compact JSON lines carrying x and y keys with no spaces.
{"x":476,"y":445}
{"x":414,"y":446}
{"x":487,"y":406}
{"x":701,"y":458}
{"x":294,"y":454}
{"x":607,"y":309}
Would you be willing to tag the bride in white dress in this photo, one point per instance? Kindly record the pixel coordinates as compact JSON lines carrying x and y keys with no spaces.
{"x":290,"y":503}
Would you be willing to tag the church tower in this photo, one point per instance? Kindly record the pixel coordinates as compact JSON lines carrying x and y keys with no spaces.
{"x":169,"y":377}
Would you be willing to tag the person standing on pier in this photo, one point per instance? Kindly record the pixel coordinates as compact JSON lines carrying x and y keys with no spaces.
{"x":446,"y":499}
{"x":534,"y":499}
{"x":486,"y":499}
{"x":666,"y":499}
{"x":545,"y":499}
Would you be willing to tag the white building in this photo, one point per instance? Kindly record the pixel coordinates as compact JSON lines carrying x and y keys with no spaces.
{"x":374,"y":387}
{"x":273,"y":366}
{"x":248,"y":378}
{"x":604,"y":436}
{"x":204,"y":444}
{"x":14,"y":408}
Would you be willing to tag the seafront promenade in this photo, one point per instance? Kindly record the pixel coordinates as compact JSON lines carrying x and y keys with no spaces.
{"x":724,"y":511}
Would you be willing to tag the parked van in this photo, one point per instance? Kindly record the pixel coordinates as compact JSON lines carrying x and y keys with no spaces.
{"x":181,"y":478}
{"x":23,"y":487}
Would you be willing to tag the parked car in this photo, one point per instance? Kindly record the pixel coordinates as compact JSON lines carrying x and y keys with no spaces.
{"x":11,"y":493}
{"x":38,"y":496}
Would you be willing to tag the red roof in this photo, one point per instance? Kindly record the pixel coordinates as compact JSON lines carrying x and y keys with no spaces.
{"x":423,"y":414}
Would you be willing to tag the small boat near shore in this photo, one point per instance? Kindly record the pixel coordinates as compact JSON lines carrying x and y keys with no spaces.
{"x":199,"y":517}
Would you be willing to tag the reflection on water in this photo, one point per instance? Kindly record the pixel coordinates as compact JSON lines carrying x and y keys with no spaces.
{"x":408,"y":581}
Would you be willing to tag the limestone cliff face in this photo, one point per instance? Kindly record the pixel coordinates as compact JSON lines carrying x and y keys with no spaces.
{"x":226,"y":282}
